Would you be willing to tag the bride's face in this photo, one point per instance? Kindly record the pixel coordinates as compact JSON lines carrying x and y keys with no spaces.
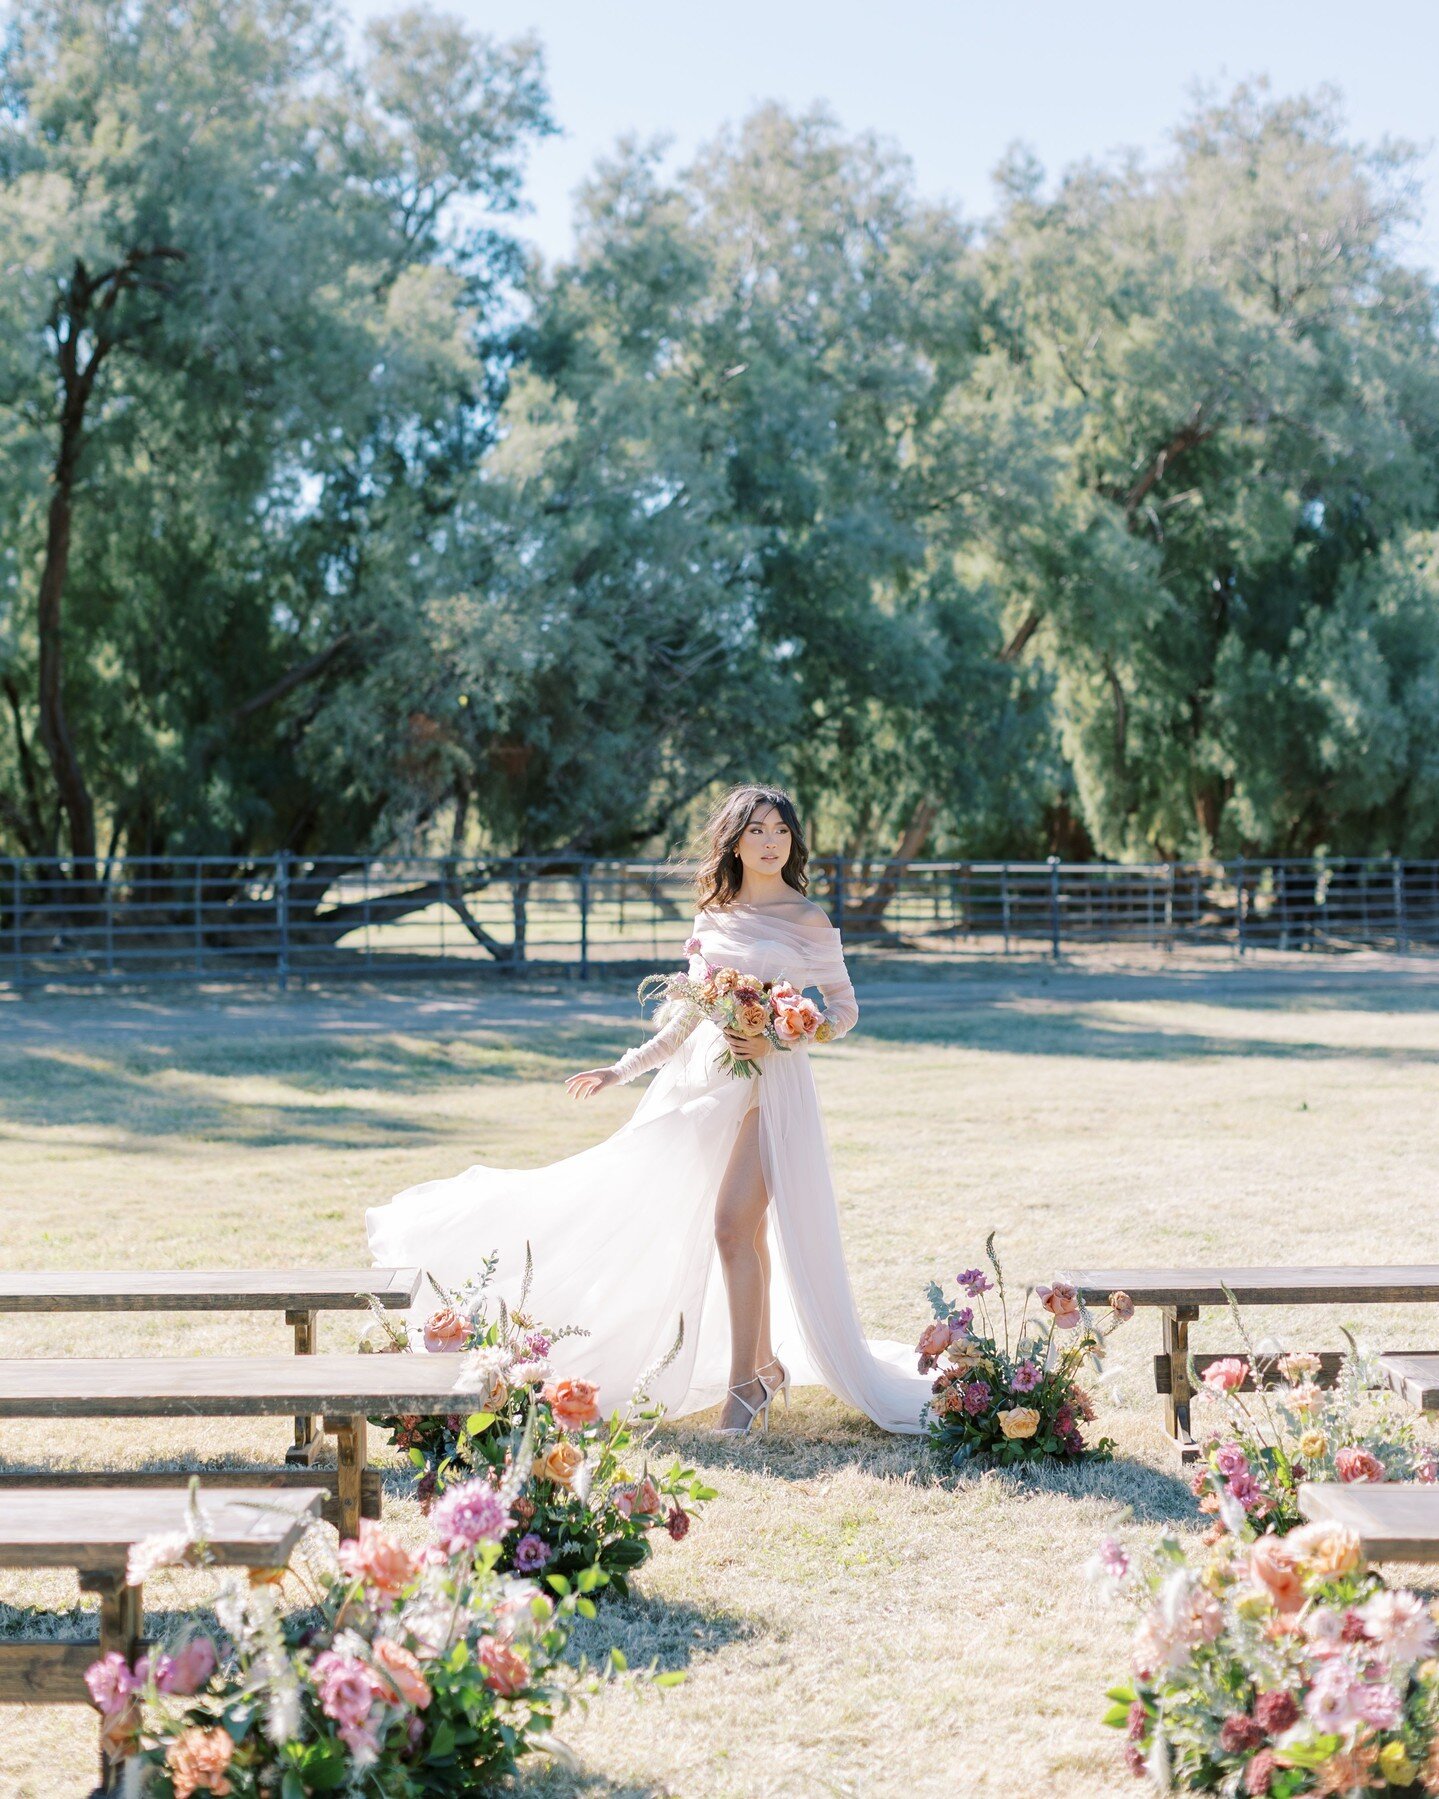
{"x":764,"y":843}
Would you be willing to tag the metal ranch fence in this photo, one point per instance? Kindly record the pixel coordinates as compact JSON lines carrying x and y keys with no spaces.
{"x":293,"y":917}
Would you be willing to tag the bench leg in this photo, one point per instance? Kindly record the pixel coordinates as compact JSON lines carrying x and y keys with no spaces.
{"x":1175,"y":1321}
{"x":307,"y":1438}
{"x":351,"y":1456}
{"x":122,"y":1612}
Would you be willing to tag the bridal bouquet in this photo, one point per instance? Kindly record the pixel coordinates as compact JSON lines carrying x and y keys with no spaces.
{"x":587,"y":1496}
{"x":1018,"y":1400}
{"x":1278,"y":1666}
{"x":738,"y":1002}
{"x":405,"y":1673}
{"x":1289,"y":1430}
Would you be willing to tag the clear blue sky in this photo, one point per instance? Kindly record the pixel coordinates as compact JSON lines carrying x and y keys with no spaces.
{"x":951,"y":81}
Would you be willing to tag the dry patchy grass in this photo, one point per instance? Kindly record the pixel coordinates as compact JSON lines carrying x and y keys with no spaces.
{"x":849,"y":1623}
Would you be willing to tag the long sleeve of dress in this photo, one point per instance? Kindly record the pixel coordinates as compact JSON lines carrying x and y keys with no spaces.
{"x":657,"y":1049}
{"x":841,"y":1007}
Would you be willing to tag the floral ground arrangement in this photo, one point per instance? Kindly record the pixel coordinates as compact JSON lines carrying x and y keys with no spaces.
{"x":403,"y":1675}
{"x":1275,"y":1665}
{"x":1260,"y":1446}
{"x":587,"y":1496}
{"x":1001,"y":1404}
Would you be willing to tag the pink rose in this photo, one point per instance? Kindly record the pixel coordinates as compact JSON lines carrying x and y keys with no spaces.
{"x":347,"y":1688}
{"x":1230,"y":1459}
{"x":445,"y":1331}
{"x":402,"y":1671}
{"x":1226,"y":1375}
{"x":647,"y":1496}
{"x":795,"y":1020}
{"x":1122,"y":1306}
{"x":1274,"y":1563}
{"x":573,"y":1402}
{"x":506,"y":1670}
{"x":1353,"y":1464}
{"x":933,"y":1341}
{"x":187,"y":1670}
{"x":1061,"y":1301}
{"x":111,"y":1682}
{"x":377,"y":1559}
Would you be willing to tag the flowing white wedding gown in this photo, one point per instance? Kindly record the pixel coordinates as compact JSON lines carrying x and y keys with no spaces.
{"x":623,"y":1232}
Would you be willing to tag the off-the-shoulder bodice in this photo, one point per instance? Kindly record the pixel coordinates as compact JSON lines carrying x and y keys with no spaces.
{"x":806,"y":951}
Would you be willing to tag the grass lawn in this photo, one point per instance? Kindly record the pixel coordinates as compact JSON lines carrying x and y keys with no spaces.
{"x":849,"y":1623}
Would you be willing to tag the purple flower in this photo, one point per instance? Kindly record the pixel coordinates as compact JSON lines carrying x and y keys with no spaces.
{"x":977,"y":1397}
{"x":962,"y":1319}
{"x":538,"y":1345}
{"x":531,"y":1554}
{"x":974,"y":1282}
{"x":1245,"y":1489}
{"x":470,"y":1514}
{"x":1025,"y":1378}
{"x":1229,"y":1460}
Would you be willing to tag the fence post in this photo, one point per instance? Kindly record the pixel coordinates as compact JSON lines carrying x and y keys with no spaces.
{"x":837,"y":899}
{"x":199,"y":931}
{"x":110,"y":919}
{"x":1054,"y":906}
{"x":282,"y":908}
{"x":1169,"y":906}
{"x":1239,"y":907}
{"x":15,"y":919}
{"x":1004,"y":903}
{"x":1401,"y":929}
{"x":585,"y":920}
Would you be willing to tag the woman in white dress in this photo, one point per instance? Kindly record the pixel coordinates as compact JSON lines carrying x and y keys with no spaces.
{"x":714,"y":1203}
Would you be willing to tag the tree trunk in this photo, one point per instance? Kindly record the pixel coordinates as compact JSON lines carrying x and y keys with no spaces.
{"x":867,"y":912}
{"x":54,"y":726}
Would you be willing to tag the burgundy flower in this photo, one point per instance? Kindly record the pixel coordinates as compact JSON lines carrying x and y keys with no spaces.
{"x":1239,"y":1734}
{"x":1138,"y":1722}
{"x":1276,"y":1712}
{"x":1259,"y":1775}
{"x":1134,"y":1760}
{"x":678,"y":1523}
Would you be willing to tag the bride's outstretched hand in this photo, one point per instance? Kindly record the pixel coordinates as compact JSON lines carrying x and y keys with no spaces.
{"x":590,"y":1081}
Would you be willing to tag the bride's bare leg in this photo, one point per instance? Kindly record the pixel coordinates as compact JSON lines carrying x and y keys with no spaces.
{"x":765,"y":1350}
{"x":739,"y":1213}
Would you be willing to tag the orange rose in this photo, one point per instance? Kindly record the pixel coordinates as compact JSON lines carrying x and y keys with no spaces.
{"x":560,"y":1463}
{"x":573,"y":1402}
{"x":445,"y":1331}
{"x":796,"y":1020}
{"x":727,"y":979}
{"x":197,"y":1761}
{"x":378,"y":1560}
{"x":1326,"y":1549}
{"x":402,"y":1673}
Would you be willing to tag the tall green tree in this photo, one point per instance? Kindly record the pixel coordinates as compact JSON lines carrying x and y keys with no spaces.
{"x":242,"y":329}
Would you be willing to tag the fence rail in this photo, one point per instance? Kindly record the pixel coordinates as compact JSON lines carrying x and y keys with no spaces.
{"x":291,"y":917}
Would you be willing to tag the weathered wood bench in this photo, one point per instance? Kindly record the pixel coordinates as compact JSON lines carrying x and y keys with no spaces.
{"x":1178,"y":1294}
{"x":1395,"y":1521}
{"x":93,"y":1531}
{"x":300,"y":1293}
{"x":1413,"y":1376}
{"x":342,"y":1389}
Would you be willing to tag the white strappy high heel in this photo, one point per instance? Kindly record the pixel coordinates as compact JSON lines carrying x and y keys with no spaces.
{"x":782,"y":1386}
{"x":760,"y":1411}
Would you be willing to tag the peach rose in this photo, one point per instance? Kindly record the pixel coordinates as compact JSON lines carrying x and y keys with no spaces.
{"x":752,"y":1018}
{"x":647,"y":1496}
{"x":573,"y":1402}
{"x":377,"y":1559}
{"x":796,"y":1020}
{"x":445,"y":1331}
{"x":933,"y":1341}
{"x":197,"y":1761}
{"x":1326,"y":1549}
{"x":560,"y":1463}
{"x":1274,"y":1563}
{"x":1353,"y":1464}
{"x":1122,"y":1306}
{"x":506,"y":1670}
{"x":727,"y":979}
{"x":1061,"y":1301}
{"x":1226,"y":1375}
{"x":1018,"y":1422}
{"x":402,"y":1673}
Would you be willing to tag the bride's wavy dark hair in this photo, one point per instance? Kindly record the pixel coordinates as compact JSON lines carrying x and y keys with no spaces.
{"x":717,"y":880}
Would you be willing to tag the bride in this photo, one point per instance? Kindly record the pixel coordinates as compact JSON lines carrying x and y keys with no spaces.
{"x":713,"y":1204}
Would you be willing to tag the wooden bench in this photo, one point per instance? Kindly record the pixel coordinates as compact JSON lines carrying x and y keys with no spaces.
{"x":300,"y":1293}
{"x":1178,"y":1294}
{"x":344,"y":1390}
{"x":93,"y":1531}
{"x":1395,"y":1521}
